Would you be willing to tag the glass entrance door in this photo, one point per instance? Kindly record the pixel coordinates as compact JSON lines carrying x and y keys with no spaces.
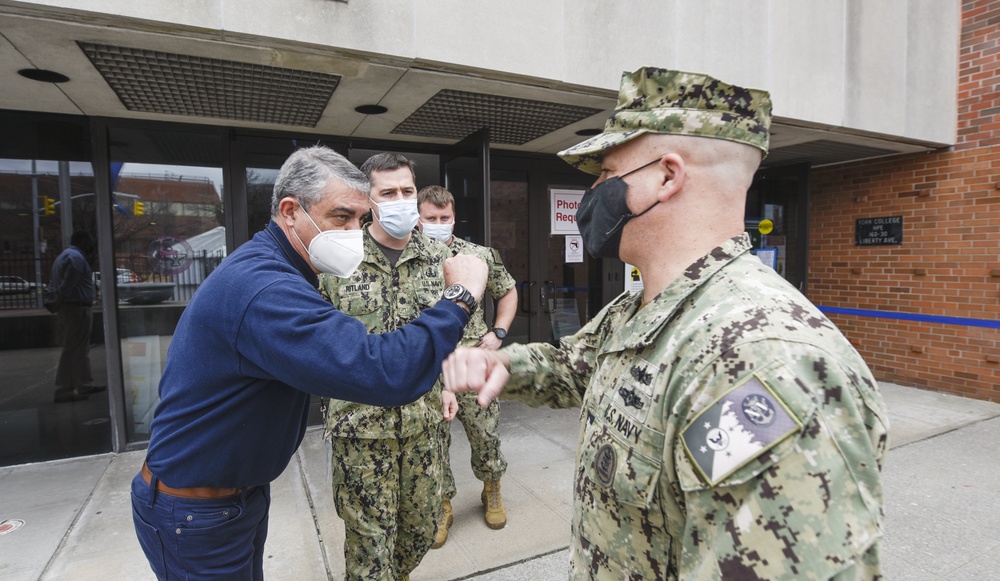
{"x":777,"y":220}
{"x":257,"y":160}
{"x":556,"y":293}
{"x":463,"y":173}
{"x":169,"y":233}
{"x":510,"y":237}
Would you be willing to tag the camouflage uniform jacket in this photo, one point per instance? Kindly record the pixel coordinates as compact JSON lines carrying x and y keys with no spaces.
{"x":729,"y":431}
{"x":385,"y":298}
{"x":498,"y":283}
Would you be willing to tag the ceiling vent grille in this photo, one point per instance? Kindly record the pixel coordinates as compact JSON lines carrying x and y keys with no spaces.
{"x":177,"y":84}
{"x":457,"y":114}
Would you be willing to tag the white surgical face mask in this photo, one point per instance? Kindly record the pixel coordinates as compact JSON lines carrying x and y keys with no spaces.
{"x":336,"y":252}
{"x":398,"y":218}
{"x":440,"y":232}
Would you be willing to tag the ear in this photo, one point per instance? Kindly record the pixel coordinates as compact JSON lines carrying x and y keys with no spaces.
{"x":673,"y":176}
{"x":286,"y":210}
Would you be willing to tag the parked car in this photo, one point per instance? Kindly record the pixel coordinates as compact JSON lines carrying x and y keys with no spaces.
{"x":124,"y":276}
{"x":132,"y":290}
{"x":15,"y":285}
{"x":145,"y":293}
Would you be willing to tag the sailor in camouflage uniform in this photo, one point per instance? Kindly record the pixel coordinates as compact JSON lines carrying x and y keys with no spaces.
{"x":729,"y":430}
{"x":482,"y":425}
{"x":386,"y":461}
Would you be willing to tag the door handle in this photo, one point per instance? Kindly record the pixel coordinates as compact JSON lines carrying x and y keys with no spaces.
{"x":546,"y":296}
{"x":525,"y":298}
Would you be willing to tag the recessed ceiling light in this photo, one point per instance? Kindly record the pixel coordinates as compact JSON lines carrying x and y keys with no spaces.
{"x":588,"y":132}
{"x":370,"y":109}
{"x":43,"y":76}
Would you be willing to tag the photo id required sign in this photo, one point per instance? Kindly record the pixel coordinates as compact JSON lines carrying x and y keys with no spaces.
{"x":884,"y":231}
{"x":562,"y":210}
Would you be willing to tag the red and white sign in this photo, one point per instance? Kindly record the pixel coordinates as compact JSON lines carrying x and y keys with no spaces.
{"x":562,"y":211}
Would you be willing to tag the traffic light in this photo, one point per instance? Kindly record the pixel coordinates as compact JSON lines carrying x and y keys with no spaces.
{"x":48,"y":206}
{"x":139,"y":209}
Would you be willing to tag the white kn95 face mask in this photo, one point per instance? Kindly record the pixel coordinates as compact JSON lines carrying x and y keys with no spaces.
{"x":336,"y":252}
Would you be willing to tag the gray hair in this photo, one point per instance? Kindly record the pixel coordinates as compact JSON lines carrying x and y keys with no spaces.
{"x":306,"y":174}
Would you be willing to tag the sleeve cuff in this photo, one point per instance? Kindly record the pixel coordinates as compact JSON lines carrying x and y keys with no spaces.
{"x":453,"y":307}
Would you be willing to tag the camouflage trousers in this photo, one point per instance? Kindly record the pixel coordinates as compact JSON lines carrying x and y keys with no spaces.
{"x":482,"y":425}
{"x":388,"y":493}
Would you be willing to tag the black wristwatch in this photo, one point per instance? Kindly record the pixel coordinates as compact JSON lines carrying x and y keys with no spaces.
{"x":500,"y":332}
{"x":459,"y":294}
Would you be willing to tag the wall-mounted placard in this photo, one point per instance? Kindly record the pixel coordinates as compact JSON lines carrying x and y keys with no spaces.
{"x":884,"y":231}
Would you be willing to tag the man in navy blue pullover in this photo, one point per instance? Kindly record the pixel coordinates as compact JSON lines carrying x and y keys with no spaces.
{"x":252,"y":344}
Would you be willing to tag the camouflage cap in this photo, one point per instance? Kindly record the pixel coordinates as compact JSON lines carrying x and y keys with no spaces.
{"x":655,"y":100}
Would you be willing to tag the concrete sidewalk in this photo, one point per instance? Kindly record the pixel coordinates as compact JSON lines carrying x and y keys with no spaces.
{"x":943,"y":506}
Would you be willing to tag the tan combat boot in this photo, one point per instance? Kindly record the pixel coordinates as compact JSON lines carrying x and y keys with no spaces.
{"x":496,"y":516}
{"x":443,"y":523}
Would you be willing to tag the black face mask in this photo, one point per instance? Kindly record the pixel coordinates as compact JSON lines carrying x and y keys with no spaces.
{"x":603,"y":213}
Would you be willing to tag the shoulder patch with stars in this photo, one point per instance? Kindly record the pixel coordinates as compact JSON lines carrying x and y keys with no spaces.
{"x":740,"y":426}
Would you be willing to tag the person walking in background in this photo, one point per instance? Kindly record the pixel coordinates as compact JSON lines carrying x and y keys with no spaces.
{"x":482,"y":425}
{"x":387,"y":462}
{"x":730,"y":431}
{"x":73,"y":286}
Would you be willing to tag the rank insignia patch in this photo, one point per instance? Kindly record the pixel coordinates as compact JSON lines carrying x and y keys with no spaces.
{"x":605,"y":464}
{"x":737,"y":428}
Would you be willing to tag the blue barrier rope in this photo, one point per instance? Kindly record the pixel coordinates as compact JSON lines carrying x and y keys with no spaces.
{"x":912,"y":317}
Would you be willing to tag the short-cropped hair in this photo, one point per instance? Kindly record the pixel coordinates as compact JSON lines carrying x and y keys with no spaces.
{"x":387,"y":161}
{"x":436,"y":195}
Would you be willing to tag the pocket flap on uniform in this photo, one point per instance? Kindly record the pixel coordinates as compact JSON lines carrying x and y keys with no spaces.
{"x":632,"y":476}
{"x":358,"y":303}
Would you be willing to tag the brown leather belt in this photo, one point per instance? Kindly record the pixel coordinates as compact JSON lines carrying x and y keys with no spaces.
{"x":196,"y":492}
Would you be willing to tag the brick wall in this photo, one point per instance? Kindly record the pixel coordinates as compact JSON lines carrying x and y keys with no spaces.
{"x":949,"y":262}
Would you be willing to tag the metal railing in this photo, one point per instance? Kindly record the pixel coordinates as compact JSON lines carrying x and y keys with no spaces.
{"x":28,"y":295}
{"x":24,"y":293}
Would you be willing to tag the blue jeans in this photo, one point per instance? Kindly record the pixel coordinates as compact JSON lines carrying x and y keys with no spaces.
{"x":201,"y":539}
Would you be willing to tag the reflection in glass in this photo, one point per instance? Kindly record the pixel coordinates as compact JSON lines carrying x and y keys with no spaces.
{"x":169,"y":235}
{"x":43,"y":202}
{"x":260,"y":185}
